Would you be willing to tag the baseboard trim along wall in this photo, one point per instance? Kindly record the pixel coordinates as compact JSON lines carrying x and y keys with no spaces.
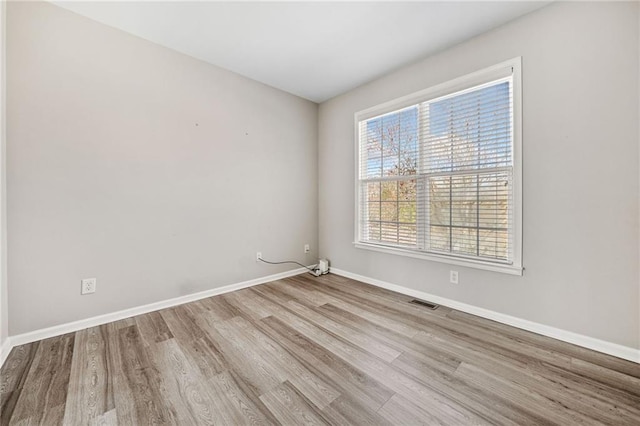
{"x":609,"y":348}
{"x":70,"y":327}
{"x":603,"y":346}
{"x":4,"y":350}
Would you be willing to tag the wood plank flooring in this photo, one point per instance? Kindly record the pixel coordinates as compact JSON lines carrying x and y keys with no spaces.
{"x":308,"y":350}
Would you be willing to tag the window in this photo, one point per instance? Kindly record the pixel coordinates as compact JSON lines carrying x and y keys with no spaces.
{"x":439,"y":172}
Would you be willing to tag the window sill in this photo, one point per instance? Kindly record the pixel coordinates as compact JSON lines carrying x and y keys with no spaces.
{"x":477,"y":264}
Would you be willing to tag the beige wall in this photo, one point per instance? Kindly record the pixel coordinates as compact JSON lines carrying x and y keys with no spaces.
{"x":156,"y":173}
{"x":580,"y":142}
{"x":4,"y":305}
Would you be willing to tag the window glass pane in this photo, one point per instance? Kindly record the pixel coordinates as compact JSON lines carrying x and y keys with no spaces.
{"x":389,"y":212}
{"x":389,"y":191}
{"x":439,"y":201}
{"x":407,"y":190}
{"x":372,"y":191}
{"x":494,"y":201}
{"x":471,"y":130}
{"x":373,"y":231}
{"x":439,"y":238}
{"x":374,"y":167}
{"x":407,"y":234}
{"x":389,"y":233}
{"x":407,"y":212}
{"x":372,"y":149}
{"x":464,"y":207}
{"x":390,"y":144}
{"x":493,"y":244}
{"x":408,"y":149}
{"x":464,"y":241}
{"x":373,"y":211}
{"x":478,"y":202}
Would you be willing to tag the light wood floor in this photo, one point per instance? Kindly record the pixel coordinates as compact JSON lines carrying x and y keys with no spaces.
{"x":308,"y":350}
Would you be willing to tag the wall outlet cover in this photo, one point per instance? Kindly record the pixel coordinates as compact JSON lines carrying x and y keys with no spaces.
{"x":88,"y":286}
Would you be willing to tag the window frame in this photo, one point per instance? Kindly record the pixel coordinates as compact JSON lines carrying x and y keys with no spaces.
{"x":513,"y":68}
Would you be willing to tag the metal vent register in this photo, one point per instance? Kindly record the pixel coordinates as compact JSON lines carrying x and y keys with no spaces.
{"x":424,"y":303}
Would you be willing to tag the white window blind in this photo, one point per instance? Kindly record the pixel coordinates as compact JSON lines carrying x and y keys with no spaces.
{"x":437,"y":176}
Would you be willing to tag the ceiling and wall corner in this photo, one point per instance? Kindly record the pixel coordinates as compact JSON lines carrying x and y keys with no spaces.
{"x":315,"y":50}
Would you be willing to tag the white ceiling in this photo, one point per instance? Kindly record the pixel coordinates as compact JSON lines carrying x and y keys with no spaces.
{"x":315,"y":50}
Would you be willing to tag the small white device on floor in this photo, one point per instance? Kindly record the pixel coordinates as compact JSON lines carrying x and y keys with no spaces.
{"x":323,"y":266}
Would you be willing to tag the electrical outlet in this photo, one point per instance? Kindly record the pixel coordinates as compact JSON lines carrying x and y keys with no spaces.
{"x":306,"y":248}
{"x":453,"y":277}
{"x":88,"y":286}
{"x":258,"y":256}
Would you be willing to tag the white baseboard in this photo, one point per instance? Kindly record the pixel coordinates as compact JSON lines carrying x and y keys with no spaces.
{"x":70,"y":327}
{"x":603,"y":346}
{"x":5,"y":348}
{"x":609,"y":348}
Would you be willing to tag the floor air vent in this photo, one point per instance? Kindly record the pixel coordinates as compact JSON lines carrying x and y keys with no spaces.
{"x":425,"y":304}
